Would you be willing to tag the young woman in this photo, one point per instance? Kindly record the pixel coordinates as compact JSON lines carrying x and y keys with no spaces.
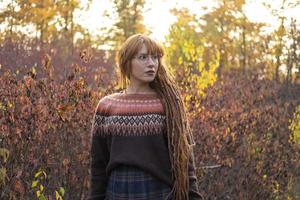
{"x":141,"y":141}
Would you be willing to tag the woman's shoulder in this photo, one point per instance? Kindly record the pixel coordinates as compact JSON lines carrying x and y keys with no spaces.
{"x":106,"y":101}
{"x":108,"y":97}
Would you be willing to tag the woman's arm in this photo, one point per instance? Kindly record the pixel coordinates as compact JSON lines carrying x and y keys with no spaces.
{"x":99,"y":160}
{"x":194,"y":193}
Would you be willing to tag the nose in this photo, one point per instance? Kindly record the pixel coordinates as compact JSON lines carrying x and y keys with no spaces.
{"x":150,"y":61}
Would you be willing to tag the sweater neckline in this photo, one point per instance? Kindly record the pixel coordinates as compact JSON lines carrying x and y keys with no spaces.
{"x":145,"y":95}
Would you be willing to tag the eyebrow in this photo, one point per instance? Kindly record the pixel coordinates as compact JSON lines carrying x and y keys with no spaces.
{"x":145,"y":54}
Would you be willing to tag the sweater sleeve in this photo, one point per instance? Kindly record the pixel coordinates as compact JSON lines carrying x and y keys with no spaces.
{"x":99,"y":160}
{"x":194,"y":193}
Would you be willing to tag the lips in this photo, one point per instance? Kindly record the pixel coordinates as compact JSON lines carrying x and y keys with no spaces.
{"x":150,"y":72}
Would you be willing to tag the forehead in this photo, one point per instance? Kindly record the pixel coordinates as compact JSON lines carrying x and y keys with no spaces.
{"x":148,"y":47}
{"x":143,"y":49}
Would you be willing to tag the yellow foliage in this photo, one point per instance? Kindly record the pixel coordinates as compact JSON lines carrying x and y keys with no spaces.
{"x":4,"y":153}
{"x":295,"y":127}
{"x":186,"y":55}
{"x":58,"y":196}
{"x":3,"y":176}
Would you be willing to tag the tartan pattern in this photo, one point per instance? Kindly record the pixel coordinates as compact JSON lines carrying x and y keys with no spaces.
{"x":131,"y":183}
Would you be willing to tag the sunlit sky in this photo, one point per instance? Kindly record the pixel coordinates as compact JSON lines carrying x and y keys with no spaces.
{"x":158,"y":18}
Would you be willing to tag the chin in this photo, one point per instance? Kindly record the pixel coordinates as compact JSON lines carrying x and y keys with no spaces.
{"x":147,"y":79}
{"x":150,"y":79}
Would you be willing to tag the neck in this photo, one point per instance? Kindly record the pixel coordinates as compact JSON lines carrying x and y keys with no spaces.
{"x":145,"y":88}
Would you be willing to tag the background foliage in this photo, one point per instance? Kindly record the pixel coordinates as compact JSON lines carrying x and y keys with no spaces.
{"x":240,"y":86}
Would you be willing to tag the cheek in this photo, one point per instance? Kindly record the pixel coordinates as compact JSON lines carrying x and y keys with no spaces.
{"x":156,"y":67}
{"x":136,"y":69}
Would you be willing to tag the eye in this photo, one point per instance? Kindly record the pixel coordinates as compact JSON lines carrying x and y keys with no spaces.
{"x":143,"y":57}
{"x":155,"y":57}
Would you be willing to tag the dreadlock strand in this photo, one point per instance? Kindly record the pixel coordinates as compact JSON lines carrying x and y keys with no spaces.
{"x":177,"y":142}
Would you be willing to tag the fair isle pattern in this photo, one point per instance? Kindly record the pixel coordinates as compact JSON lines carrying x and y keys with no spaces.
{"x":130,"y":115}
{"x":141,"y":125}
{"x":127,"y":104}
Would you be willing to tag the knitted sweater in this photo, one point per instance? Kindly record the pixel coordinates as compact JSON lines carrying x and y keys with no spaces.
{"x":130,"y":129}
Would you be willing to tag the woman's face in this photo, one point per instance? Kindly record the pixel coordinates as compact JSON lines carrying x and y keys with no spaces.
{"x":144,"y":66}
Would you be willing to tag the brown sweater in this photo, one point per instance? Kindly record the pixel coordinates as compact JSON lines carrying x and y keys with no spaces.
{"x":130,"y":129}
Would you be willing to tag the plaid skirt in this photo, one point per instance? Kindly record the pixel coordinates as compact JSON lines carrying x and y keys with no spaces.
{"x":132,"y":183}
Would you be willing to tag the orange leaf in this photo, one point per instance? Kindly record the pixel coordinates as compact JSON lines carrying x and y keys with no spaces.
{"x":18,"y":187}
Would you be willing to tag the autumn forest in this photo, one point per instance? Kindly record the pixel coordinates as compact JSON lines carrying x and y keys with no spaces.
{"x":240,"y":85}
